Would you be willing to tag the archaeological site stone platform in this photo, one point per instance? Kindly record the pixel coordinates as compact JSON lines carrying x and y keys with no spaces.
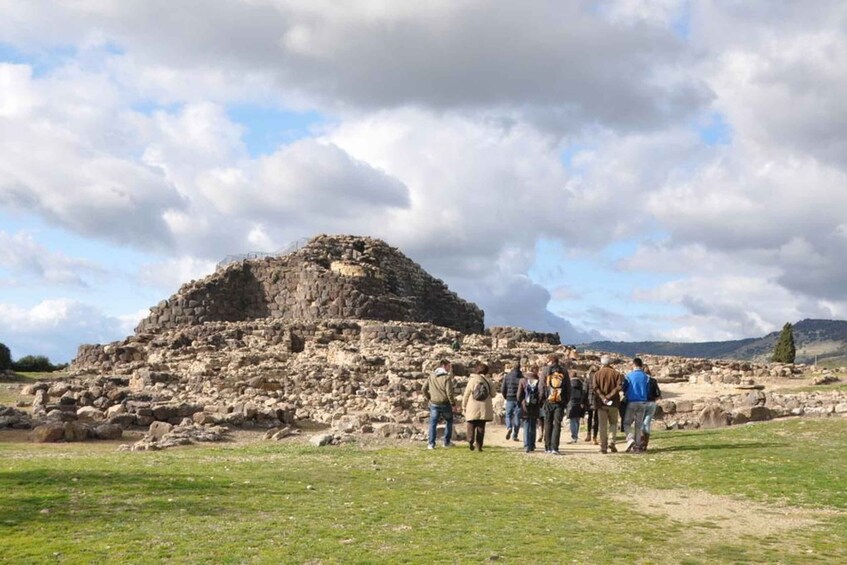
{"x":341,"y":334}
{"x":332,"y":277}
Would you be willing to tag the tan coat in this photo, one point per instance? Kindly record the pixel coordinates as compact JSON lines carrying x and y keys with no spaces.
{"x":478,"y":409}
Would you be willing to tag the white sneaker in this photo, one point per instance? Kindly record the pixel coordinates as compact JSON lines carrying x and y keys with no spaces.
{"x":555,"y":453}
{"x":430,"y":446}
{"x":630,"y":443}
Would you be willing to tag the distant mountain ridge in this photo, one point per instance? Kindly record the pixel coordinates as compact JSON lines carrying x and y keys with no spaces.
{"x":823,"y":339}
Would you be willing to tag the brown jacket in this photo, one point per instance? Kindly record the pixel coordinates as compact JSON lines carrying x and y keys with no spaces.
{"x":607,"y":385}
{"x":478,"y":409}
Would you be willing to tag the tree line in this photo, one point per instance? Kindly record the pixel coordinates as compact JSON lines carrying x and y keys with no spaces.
{"x":27,"y":363}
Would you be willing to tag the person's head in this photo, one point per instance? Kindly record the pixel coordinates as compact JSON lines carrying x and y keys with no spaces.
{"x":553,"y":359}
{"x":605,"y":360}
{"x":481,"y":368}
{"x":445,"y":364}
{"x":638,"y":363}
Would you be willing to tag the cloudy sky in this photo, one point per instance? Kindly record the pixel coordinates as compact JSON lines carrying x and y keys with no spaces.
{"x":636,"y":169}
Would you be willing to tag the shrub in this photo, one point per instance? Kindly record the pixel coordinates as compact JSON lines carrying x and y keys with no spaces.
{"x":34,"y":364}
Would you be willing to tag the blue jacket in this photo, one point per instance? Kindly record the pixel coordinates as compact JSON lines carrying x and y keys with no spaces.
{"x":635,"y":386}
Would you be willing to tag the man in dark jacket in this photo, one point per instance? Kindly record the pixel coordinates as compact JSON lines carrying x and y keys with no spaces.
{"x":509,"y":390}
{"x":607,"y":393}
{"x":591,"y":422}
{"x":557,"y":391}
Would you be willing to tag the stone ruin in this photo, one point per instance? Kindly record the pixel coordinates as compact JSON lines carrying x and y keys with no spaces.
{"x":339,"y":334}
{"x":331,"y":277}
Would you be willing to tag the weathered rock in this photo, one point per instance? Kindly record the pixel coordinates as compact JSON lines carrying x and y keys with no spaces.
{"x":751,"y":414}
{"x":713,"y":416}
{"x":91,"y":414}
{"x":159,"y":429}
{"x":77,"y":431}
{"x":320,"y":440}
{"x":108,"y":431}
{"x":48,"y":433}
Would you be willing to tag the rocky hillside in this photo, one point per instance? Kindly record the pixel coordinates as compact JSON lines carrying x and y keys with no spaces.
{"x":826,"y":339}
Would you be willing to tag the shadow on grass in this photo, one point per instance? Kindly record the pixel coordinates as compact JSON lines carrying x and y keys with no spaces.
{"x":719,"y":446}
{"x":84,"y":496}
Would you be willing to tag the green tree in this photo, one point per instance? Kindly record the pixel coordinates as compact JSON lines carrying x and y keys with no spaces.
{"x":5,"y":358}
{"x":784,"y":352}
{"x":34,"y":364}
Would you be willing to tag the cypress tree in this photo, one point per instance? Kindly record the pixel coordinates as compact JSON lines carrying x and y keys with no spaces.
{"x":785,"y":351}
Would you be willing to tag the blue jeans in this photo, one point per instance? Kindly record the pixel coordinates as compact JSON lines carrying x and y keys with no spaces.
{"x":437,"y":411}
{"x":530,"y":427}
{"x":649,"y":414}
{"x":513,"y":416}
{"x":574,"y":428}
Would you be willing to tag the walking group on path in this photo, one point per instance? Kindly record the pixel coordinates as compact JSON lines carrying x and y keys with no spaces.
{"x":543,"y":398}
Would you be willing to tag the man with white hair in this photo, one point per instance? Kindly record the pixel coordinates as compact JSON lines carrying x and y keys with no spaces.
{"x":607,"y":396}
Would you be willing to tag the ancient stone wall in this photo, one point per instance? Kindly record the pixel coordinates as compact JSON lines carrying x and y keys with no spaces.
{"x":331,"y":277}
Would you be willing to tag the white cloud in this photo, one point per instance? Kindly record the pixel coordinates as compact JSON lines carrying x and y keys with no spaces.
{"x":23,"y":256}
{"x":55,"y":328}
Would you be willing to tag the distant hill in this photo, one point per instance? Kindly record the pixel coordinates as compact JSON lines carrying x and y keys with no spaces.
{"x":826,"y":339}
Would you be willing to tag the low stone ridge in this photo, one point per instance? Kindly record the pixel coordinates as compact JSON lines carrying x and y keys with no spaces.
{"x":365,"y":377}
{"x":334,"y":277}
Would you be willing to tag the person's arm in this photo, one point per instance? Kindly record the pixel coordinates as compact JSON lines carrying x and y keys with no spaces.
{"x":466,"y":396}
{"x":425,"y":389}
{"x":618,"y":385}
{"x":567,"y":386}
{"x":503,"y":385}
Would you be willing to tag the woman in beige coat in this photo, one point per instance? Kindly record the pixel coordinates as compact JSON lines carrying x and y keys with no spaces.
{"x":476,"y":405}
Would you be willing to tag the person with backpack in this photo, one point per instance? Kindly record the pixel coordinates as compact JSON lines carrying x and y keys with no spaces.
{"x":439,"y":390}
{"x":635,"y":386}
{"x":509,"y":390}
{"x":591,"y":421}
{"x":576,"y":406}
{"x":557,"y":385}
{"x":530,"y":390}
{"x":653,"y":394}
{"x":477,"y":406}
{"x":607,"y":395}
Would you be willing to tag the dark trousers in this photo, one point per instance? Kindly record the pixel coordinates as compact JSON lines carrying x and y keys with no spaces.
{"x":553,"y":414}
{"x":622,"y":412}
{"x":592,"y":423}
{"x":476,"y":432}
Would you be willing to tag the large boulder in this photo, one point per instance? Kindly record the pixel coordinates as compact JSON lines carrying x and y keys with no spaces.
{"x":48,"y":433}
{"x":713,"y":416}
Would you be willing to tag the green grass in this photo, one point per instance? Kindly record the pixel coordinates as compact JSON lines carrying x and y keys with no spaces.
{"x":82,"y":503}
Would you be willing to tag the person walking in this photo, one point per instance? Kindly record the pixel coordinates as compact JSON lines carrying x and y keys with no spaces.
{"x":530,"y":390}
{"x":591,"y":421}
{"x":557,"y":388}
{"x":476,"y":405}
{"x":509,"y":390}
{"x":576,"y":406}
{"x":607,"y":395}
{"x":653,"y":394}
{"x":635,"y":386}
{"x":440,"y":390}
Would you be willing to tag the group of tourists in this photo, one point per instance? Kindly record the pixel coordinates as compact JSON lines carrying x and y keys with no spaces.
{"x":542,"y":398}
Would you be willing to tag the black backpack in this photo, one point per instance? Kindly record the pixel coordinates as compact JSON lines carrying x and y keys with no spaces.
{"x":577,"y":392}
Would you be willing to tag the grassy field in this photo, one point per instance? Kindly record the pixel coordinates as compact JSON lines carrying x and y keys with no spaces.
{"x":771,"y":493}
